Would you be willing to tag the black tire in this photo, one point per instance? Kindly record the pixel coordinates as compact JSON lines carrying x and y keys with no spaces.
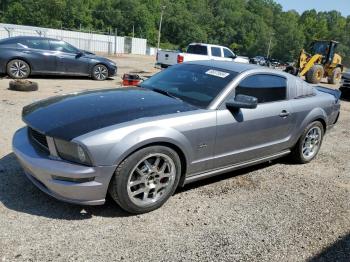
{"x":315,"y":74}
{"x":291,"y":70}
{"x":297,"y":155}
{"x":118,"y":187}
{"x":345,"y":93}
{"x":23,"y":85}
{"x":18,"y":69}
{"x":335,"y":77}
{"x":100,"y":72}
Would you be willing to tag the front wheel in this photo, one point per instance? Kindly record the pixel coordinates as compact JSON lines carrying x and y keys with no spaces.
{"x":145,"y":180}
{"x":335,"y":76}
{"x":309,"y":143}
{"x":18,"y":69}
{"x":100,"y":72}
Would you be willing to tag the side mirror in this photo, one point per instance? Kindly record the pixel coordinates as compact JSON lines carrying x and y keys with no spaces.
{"x":242,"y":101}
{"x":79,"y":54}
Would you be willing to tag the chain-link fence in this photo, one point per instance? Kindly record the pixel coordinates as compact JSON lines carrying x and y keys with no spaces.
{"x":92,"y":42}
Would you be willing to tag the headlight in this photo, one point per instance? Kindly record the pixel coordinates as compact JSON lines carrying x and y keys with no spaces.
{"x":72,"y":152}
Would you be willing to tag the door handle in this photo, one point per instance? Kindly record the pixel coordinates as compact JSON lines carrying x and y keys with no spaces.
{"x":284,"y":113}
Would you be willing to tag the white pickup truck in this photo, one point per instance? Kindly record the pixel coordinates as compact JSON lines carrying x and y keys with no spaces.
{"x":197,"y":51}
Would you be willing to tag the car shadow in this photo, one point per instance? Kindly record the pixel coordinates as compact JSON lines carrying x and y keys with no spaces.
{"x":59,"y":77}
{"x":19,"y":194}
{"x":339,"y":251}
{"x":224,"y":176}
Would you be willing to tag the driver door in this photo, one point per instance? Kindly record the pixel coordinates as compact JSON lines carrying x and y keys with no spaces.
{"x":248,"y":134}
{"x":68,"y":59}
{"x":228,"y":54}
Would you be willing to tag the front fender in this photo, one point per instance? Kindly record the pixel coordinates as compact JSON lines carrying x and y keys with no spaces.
{"x":114,"y":145}
{"x":150,"y":135}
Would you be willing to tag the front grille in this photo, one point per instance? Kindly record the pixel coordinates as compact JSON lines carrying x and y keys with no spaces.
{"x":38,"y":138}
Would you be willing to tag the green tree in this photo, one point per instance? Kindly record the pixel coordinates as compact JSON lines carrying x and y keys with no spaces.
{"x":244,"y":25}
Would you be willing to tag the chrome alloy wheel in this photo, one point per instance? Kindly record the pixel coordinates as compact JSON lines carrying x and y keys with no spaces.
{"x":151,"y":179}
{"x":18,"y":69}
{"x":312,"y":142}
{"x":100,"y":72}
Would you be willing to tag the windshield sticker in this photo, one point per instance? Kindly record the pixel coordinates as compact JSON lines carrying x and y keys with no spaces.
{"x":217,"y":73}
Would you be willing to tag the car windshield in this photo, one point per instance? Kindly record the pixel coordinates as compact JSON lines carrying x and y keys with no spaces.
{"x":197,"y":85}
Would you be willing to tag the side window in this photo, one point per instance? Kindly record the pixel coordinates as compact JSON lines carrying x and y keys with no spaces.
{"x":38,"y":44}
{"x":216,"y":51}
{"x":266,"y":88}
{"x":63,"y":47}
{"x":228,"y":53}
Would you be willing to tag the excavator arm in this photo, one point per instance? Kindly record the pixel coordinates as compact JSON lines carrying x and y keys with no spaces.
{"x":310,"y":63}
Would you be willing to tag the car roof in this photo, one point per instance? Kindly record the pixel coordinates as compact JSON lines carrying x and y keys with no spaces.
{"x":208,"y":45}
{"x":227,"y":65}
{"x":242,"y":67}
{"x":28,"y":37}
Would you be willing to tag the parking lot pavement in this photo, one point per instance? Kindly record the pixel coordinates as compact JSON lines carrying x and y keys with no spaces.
{"x":272,"y":212}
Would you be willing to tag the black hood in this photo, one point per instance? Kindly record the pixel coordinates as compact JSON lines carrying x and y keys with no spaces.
{"x":72,"y":115}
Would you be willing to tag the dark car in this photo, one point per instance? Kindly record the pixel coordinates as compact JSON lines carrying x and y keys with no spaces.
{"x":345,"y":85}
{"x":258,"y":60}
{"x":28,"y":55}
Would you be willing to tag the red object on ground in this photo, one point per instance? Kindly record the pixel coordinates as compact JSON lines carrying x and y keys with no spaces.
{"x":180,"y":59}
{"x":131,"y":80}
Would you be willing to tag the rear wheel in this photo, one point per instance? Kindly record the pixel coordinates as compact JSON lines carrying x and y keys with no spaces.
{"x":18,"y":69}
{"x":315,"y":74}
{"x":100,"y":72}
{"x":335,"y":77}
{"x":309,"y":143}
{"x":145,"y":180}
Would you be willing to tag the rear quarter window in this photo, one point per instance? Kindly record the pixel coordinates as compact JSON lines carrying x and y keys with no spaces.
{"x":11,"y":42}
{"x":197,"y":50}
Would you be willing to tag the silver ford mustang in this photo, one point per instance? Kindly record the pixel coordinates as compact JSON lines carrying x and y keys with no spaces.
{"x":189,"y":122}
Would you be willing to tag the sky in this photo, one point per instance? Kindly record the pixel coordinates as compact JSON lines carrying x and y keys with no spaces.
{"x":342,"y":6}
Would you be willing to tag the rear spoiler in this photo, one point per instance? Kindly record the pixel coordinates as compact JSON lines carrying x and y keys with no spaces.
{"x":335,"y":92}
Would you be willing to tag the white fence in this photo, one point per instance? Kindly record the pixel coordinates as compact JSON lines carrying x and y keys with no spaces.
{"x":86,"y":41}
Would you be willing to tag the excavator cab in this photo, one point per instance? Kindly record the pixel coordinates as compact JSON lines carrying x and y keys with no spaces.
{"x":326,"y":49}
{"x":321,"y":61}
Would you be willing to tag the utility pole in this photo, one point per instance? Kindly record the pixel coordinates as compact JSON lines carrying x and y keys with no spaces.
{"x":133,"y":31}
{"x":115,"y":41}
{"x":160,"y":25}
{"x":270,"y":42}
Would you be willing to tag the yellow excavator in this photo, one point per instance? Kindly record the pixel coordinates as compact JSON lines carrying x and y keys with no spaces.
{"x":322,"y":62}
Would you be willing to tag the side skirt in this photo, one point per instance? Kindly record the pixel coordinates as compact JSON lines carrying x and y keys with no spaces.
{"x":211,"y":173}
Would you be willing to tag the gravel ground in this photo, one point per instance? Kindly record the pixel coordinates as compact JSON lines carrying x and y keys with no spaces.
{"x":272,"y":212}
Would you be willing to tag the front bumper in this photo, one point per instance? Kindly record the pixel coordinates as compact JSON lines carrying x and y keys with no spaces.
{"x":112,"y":71}
{"x":40,"y":168}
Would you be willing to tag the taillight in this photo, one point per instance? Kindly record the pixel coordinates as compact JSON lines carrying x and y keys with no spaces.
{"x":180,"y":59}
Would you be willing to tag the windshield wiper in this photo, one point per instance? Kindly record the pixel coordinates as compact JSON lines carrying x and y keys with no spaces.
{"x":164,"y":92}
